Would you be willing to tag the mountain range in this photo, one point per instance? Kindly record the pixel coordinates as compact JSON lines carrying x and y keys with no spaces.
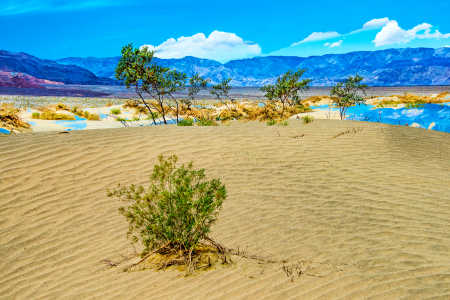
{"x":391,"y":67}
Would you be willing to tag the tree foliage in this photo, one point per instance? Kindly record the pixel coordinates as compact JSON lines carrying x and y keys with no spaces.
{"x":348,"y":93}
{"x":287,"y":89}
{"x":222,"y":90}
{"x":196,"y":84}
{"x":136,"y":69}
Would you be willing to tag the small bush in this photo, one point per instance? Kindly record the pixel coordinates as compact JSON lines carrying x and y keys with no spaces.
{"x":93,"y":117}
{"x":283,"y":123}
{"x":174,"y":212}
{"x":62,"y":106}
{"x":10,"y":118}
{"x":206,"y":122}
{"x":51,"y":115}
{"x":77,"y":111}
{"x":271,"y":122}
{"x":35,"y":115}
{"x":115,"y":111}
{"x":186,"y":122}
{"x":307,"y":119}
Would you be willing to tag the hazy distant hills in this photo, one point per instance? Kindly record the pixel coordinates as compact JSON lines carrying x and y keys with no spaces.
{"x":48,"y":69}
{"x":409,"y":66}
{"x":403,"y":67}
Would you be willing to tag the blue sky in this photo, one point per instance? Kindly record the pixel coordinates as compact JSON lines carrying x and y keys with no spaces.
{"x":220,"y":30}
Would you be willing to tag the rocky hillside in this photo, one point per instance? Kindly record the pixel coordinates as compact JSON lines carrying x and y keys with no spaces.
{"x":48,"y":69}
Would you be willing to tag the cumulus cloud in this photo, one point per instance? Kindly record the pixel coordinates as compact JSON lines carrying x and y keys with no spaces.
{"x":220,"y":46}
{"x":333,"y":45}
{"x":392,"y":33}
{"x":318,"y":36}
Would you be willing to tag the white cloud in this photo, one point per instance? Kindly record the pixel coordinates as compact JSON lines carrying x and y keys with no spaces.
{"x":220,"y":46}
{"x":392,"y":33}
{"x":318,"y":36}
{"x":333,"y":45}
{"x":376,"y":23}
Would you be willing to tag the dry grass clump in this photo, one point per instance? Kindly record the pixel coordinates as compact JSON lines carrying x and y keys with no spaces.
{"x":93,"y":117}
{"x":51,"y":115}
{"x":10,"y":119}
{"x":413,"y":101}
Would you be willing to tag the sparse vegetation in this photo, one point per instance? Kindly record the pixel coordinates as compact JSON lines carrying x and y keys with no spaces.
{"x":307,"y":119}
{"x":206,"y":122}
{"x":186,"y":122}
{"x":271,"y":122}
{"x":51,"y":115}
{"x":172,"y":216}
{"x":115,"y":111}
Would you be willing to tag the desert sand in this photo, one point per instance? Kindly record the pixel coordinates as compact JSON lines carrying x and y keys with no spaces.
{"x":363,"y":210}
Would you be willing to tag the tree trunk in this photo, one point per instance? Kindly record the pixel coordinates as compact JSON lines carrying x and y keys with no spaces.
{"x":147,"y":106}
{"x":163,"y":112}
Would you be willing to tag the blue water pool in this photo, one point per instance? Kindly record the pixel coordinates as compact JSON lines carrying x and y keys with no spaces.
{"x":424,"y":116}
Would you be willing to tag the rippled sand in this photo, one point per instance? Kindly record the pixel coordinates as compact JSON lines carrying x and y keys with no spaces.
{"x":362,"y":208}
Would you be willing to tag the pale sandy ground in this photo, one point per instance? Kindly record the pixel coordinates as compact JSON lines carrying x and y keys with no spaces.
{"x":367,"y":213}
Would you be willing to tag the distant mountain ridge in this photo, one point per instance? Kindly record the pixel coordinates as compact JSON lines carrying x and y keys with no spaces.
{"x":48,"y":69}
{"x":391,"y":67}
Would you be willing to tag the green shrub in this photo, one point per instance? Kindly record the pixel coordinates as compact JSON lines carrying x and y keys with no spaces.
{"x":186,"y":122}
{"x":283,"y":123}
{"x":115,"y":111}
{"x":307,"y":119}
{"x":175,"y":211}
{"x":206,"y":122}
{"x":271,"y":122}
{"x":35,"y":115}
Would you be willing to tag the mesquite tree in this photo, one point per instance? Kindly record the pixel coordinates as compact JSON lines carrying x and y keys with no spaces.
{"x":287,"y":89}
{"x":348,"y":93}
{"x":222,"y":91}
{"x":135,"y":69}
{"x":196,"y":84}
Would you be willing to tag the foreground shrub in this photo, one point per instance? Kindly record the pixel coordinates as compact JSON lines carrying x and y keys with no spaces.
{"x":186,"y":122}
{"x":307,"y":119}
{"x":174,"y":213}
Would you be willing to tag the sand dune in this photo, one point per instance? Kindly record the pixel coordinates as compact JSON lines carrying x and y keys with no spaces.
{"x":365,"y":215}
